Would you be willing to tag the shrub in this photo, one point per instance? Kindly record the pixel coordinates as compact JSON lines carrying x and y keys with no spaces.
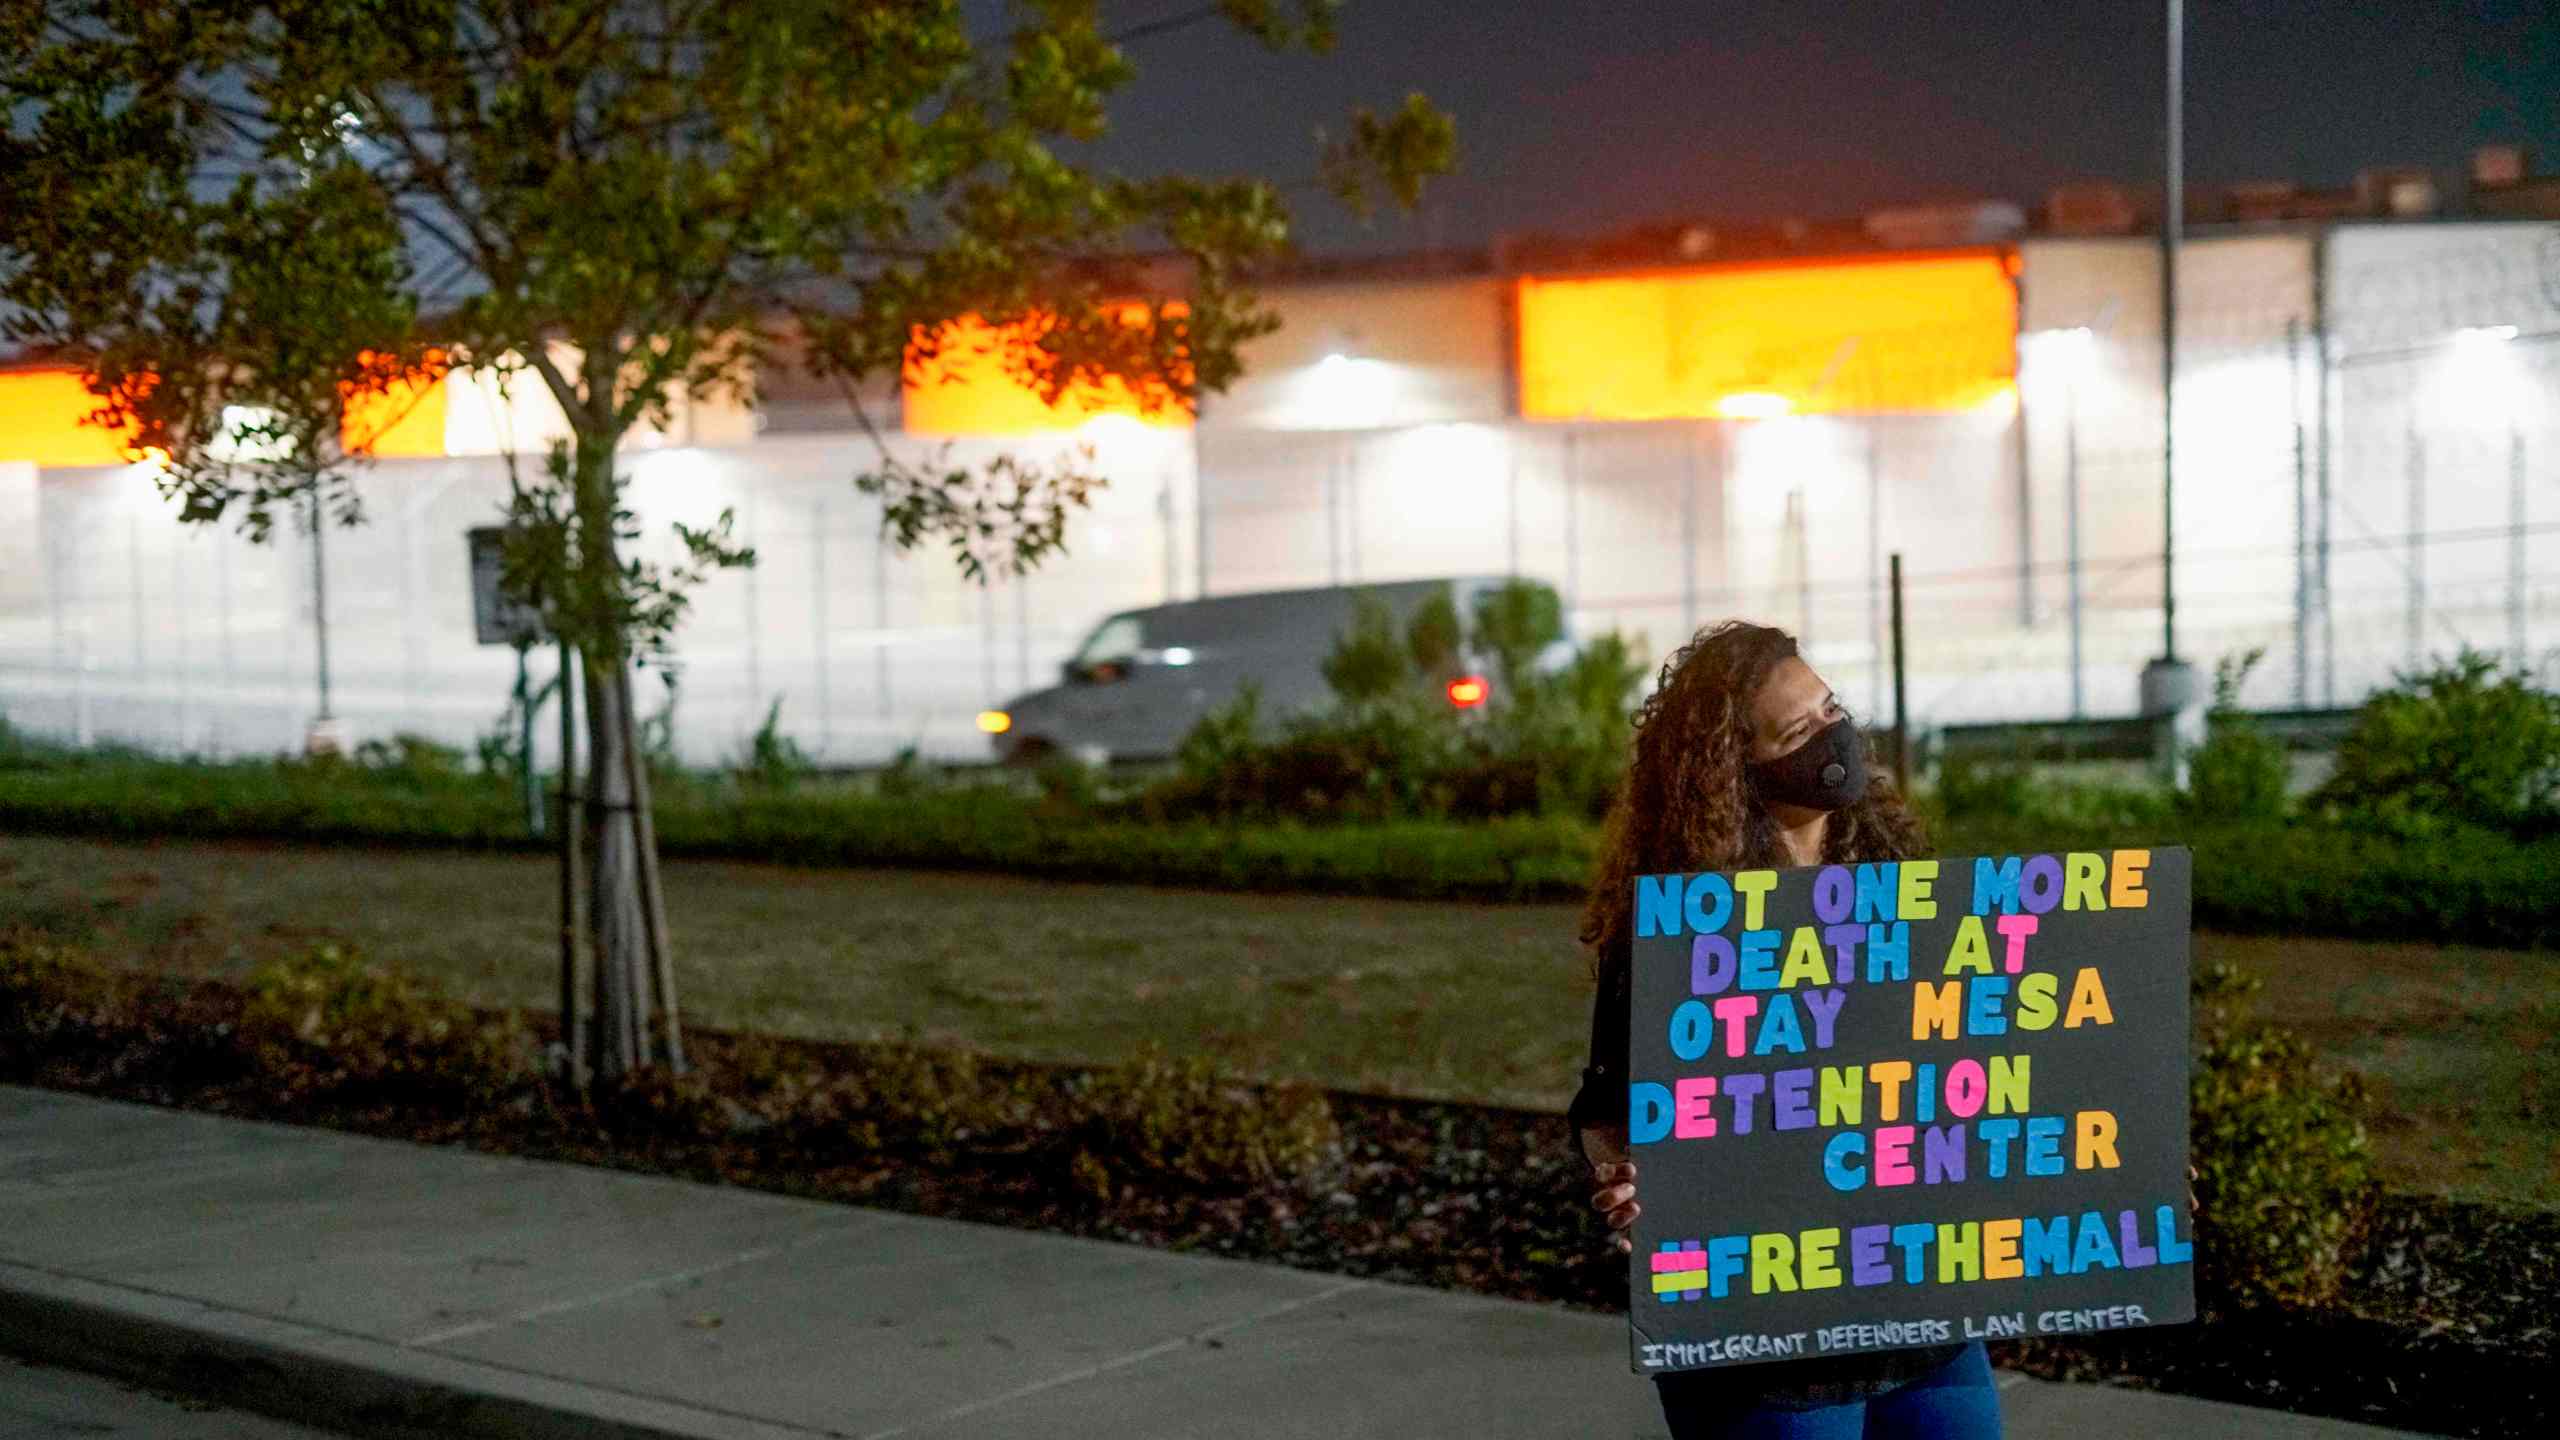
{"x":773,"y":761}
{"x":331,"y":1020}
{"x":2284,"y":1180}
{"x":2466,"y":741}
{"x":1433,"y":638}
{"x":1157,"y":1115}
{"x":905,"y":776}
{"x":500,"y":748}
{"x":2238,"y":773}
{"x":1394,"y":748}
{"x":1368,"y":662}
{"x":411,"y":758}
{"x":1968,"y":786}
{"x":1223,"y":740}
{"x":1068,"y":786}
{"x":900,"y":1094}
{"x":45,"y":988}
{"x":1514,"y":623}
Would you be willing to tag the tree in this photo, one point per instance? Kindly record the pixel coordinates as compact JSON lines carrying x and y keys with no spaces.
{"x":248,"y":222}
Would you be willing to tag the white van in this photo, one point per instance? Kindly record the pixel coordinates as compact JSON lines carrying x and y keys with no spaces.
{"x":1143,"y":678}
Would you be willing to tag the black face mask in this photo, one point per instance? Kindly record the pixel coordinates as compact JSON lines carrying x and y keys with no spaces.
{"x":1826,"y":772}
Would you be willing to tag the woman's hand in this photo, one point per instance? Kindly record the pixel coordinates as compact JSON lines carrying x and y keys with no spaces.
{"x":1615,"y":1174}
{"x":1617,"y":1200}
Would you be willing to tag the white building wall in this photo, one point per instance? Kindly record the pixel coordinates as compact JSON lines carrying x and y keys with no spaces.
{"x":1398,"y":460}
{"x":2237,"y":410}
{"x":185,"y":638}
{"x":2446,"y":417}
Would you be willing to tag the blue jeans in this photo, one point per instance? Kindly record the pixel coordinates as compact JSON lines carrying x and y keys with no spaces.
{"x":1957,"y":1401}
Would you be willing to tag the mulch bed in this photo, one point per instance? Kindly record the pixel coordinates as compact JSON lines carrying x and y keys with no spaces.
{"x":2448,"y":1328}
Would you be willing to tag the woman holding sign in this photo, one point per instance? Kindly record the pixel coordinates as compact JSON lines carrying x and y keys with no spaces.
{"x":1745,"y":759}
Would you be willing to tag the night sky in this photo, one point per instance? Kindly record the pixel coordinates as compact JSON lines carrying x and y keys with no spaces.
{"x":1576,"y":116}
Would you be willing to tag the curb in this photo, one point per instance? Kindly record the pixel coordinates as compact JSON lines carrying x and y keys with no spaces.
{"x":329,"y":1378}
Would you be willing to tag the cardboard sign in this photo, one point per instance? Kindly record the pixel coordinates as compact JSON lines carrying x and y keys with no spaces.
{"x":497,"y":618}
{"x":1905,"y":1104}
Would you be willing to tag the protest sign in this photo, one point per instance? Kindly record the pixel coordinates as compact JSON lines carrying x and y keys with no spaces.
{"x":1900,"y":1104}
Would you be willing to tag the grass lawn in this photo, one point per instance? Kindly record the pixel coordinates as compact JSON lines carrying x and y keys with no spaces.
{"x":1440,"y":1000}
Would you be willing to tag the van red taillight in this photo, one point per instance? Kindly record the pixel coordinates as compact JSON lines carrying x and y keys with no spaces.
{"x":1467,"y":690}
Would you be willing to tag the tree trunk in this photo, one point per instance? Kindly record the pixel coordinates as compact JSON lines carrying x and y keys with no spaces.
{"x":617,"y":923}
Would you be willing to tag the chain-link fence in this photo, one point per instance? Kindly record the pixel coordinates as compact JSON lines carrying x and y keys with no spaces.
{"x":2365,"y":478}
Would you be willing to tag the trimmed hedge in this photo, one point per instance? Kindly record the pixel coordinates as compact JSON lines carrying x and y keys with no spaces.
{"x":2302,"y":878}
{"x":2468,"y":887}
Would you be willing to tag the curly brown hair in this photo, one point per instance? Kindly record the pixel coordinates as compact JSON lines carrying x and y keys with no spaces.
{"x":1686,"y":803}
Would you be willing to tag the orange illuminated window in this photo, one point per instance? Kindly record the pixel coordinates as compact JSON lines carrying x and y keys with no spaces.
{"x":41,"y":410}
{"x":406,"y":418}
{"x":967,"y":389}
{"x":1932,"y":333}
{"x":40,"y":421}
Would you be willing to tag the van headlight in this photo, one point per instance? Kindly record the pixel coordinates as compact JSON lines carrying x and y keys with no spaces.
{"x":994,"y":722}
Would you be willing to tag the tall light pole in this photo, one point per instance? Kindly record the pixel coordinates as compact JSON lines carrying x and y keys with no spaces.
{"x":2172,"y":221}
{"x":2169,"y":690}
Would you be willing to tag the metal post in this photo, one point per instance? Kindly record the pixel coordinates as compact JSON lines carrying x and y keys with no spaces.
{"x":2417,"y":549}
{"x":2515,"y":551}
{"x":524,"y":738}
{"x":320,"y":596}
{"x":1333,"y":517}
{"x":573,"y":1035}
{"x":2173,"y":220}
{"x":1572,"y":508}
{"x":222,"y":596}
{"x":2320,"y":566}
{"x":2302,"y":521}
{"x":1165,"y":516}
{"x":880,"y":619}
{"x":1022,"y":632}
{"x":987,"y":643}
{"x":2026,"y":490}
{"x":1804,"y":564}
{"x":1901,"y":714}
{"x":818,"y":621}
{"x":134,"y":604}
{"x":755,"y":622}
{"x":1689,"y":537}
{"x":1351,"y":505}
{"x":1511,"y":504}
{"x":1200,"y":531}
{"x":2071,"y":537}
{"x":1875,"y":549}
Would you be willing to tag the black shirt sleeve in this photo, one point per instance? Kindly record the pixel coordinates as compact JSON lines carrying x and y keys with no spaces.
{"x":1602,"y":1097}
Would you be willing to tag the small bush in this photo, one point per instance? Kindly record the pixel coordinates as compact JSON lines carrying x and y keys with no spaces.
{"x":907,"y":1096}
{"x":2284,"y":1178}
{"x":1179,"y":1117}
{"x":2238,"y":773}
{"x":905,"y":776}
{"x":500,"y":748}
{"x":45,"y":988}
{"x":1393,"y":747}
{"x":1068,"y":786}
{"x":1969,"y":786}
{"x":1369,"y":662}
{"x":331,"y":1020}
{"x":2464,"y":742}
{"x":412,"y":758}
{"x":773,"y":761}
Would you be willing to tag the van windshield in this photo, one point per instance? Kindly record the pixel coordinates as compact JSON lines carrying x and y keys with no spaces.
{"x":1116,"y":640}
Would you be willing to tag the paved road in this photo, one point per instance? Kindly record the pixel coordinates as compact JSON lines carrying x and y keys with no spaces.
{"x":42,"y":1402}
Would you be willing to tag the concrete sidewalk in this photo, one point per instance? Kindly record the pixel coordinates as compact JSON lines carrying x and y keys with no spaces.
{"x":393,"y":1289}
